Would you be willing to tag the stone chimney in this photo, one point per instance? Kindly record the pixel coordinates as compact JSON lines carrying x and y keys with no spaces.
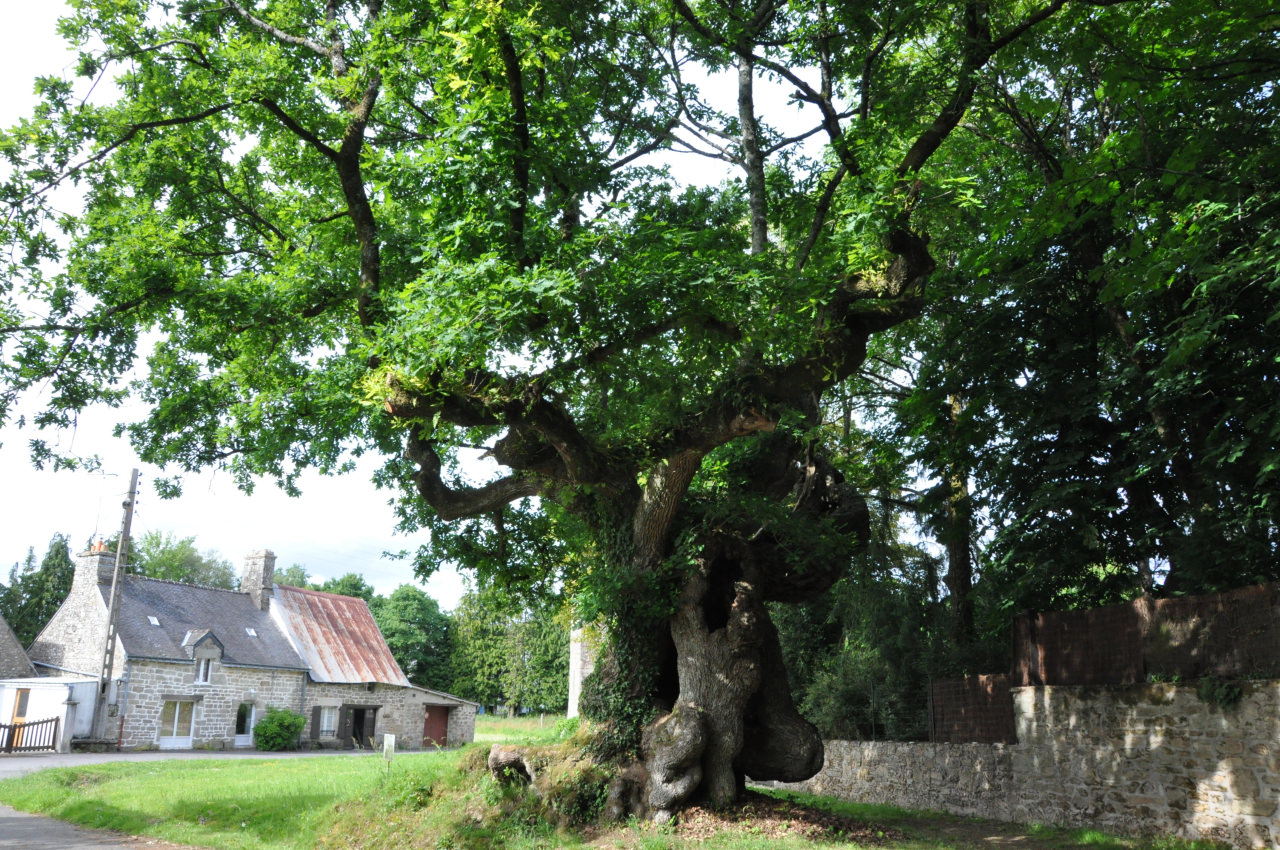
{"x":258,"y":578}
{"x":95,"y":566}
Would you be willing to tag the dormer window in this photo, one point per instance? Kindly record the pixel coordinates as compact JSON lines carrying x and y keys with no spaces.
{"x":204,"y":666}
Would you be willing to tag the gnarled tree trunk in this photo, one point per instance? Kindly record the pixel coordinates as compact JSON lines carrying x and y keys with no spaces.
{"x":730,"y":715}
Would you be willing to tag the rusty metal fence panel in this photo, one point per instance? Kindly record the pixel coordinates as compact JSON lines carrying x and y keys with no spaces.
{"x":975,"y":709}
{"x":1236,"y":633}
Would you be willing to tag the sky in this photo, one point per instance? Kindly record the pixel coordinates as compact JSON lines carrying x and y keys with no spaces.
{"x":339,"y":524}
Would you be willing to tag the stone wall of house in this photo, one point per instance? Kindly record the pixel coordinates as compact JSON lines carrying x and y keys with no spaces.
{"x":400,"y":712}
{"x":1134,"y":759}
{"x":151,"y":683}
{"x":73,"y":639}
{"x":462,"y":724}
{"x":14,"y":663}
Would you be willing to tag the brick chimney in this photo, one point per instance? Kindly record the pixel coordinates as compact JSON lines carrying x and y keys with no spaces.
{"x":258,"y":578}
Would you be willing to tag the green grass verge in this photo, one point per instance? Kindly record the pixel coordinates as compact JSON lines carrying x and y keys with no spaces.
{"x":530,"y":729}
{"x":267,"y":803}
{"x":441,"y":800}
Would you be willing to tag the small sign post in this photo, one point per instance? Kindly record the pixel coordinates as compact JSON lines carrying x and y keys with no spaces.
{"x":388,"y":749}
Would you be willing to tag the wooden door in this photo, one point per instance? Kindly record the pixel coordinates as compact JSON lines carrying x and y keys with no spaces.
{"x":435,"y":726}
{"x":22,"y":698}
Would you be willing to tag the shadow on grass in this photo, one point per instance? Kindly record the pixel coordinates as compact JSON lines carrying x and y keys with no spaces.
{"x":278,"y":822}
{"x":966,"y":832}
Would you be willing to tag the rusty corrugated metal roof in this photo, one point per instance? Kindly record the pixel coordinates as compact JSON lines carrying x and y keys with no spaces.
{"x":337,"y":636}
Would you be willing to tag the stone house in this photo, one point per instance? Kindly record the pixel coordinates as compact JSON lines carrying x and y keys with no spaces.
{"x":198,"y":666}
{"x":354,"y":685}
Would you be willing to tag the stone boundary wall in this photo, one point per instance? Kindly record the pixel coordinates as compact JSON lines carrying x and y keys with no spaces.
{"x":1140,"y":759}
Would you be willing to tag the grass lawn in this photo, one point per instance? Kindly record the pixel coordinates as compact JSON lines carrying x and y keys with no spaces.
{"x":530,"y":729}
{"x":447,"y":800}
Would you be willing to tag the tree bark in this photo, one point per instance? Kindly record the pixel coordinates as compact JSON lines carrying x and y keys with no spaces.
{"x":959,"y":536}
{"x":734,"y":716}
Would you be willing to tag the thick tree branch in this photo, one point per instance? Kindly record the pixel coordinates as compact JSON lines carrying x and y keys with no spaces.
{"x":451,"y":504}
{"x":821,"y":209}
{"x":520,"y":158}
{"x":297,"y":129}
{"x":453,"y":408}
{"x":277,"y":33}
{"x":752,"y":158}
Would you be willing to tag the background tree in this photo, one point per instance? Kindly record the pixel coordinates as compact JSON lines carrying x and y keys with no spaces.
{"x":436,"y":230}
{"x":295,"y":575}
{"x":1102,"y":325}
{"x":163,"y":555}
{"x":478,"y":648}
{"x":509,"y":651}
{"x":537,"y":647}
{"x":33,"y":593}
{"x":349,"y":584}
{"x":418,"y":634}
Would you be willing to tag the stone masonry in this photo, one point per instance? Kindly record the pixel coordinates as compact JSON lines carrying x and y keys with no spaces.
{"x":151,"y":683}
{"x":72,"y":642}
{"x":400,"y":712}
{"x":1141,"y":759}
{"x":14,"y":663}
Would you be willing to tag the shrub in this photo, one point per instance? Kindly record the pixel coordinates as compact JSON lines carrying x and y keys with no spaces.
{"x":567,"y":727}
{"x":279,"y":730}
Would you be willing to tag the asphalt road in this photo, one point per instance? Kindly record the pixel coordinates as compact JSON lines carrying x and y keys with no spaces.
{"x":36,"y":832}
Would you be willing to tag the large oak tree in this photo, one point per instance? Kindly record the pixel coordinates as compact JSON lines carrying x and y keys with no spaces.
{"x":435,"y":229}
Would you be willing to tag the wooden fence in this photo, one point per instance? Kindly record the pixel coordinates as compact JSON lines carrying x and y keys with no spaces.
{"x":34,"y":737}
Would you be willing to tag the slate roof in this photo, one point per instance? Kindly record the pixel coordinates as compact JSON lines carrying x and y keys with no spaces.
{"x":337,"y":636}
{"x":185,"y":610}
{"x":14,"y":663}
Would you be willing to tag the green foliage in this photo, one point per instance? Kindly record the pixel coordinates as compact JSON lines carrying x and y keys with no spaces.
{"x":33,"y":594}
{"x":1102,"y":324}
{"x":418,"y":635}
{"x":1218,"y":692}
{"x":163,"y":555}
{"x":567,"y":727}
{"x":578,"y":793}
{"x":615,"y":695}
{"x":510,"y":652}
{"x":350,"y":584}
{"x":278,"y":730}
{"x":295,"y":575}
{"x":408,"y":791}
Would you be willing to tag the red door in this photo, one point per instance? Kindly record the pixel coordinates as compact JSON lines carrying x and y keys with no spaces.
{"x":435,"y":726}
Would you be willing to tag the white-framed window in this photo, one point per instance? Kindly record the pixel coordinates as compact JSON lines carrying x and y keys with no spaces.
{"x":204,"y":666}
{"x":328,"y":720}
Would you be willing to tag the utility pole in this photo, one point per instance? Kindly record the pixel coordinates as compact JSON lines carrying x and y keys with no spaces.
{"x":117,"y":578}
